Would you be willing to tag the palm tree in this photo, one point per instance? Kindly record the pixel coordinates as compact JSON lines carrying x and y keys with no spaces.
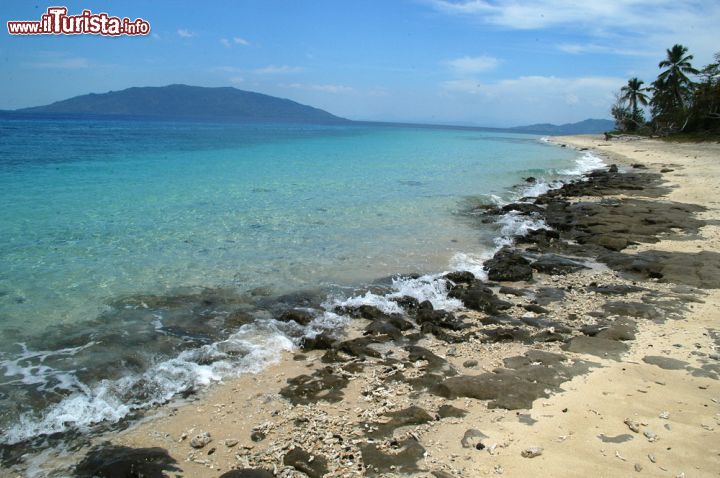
{"x":633,"y":94}
{"x":675,"y":78}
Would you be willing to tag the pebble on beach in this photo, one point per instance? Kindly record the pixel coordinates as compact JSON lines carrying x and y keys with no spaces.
{"x":532,"y":452}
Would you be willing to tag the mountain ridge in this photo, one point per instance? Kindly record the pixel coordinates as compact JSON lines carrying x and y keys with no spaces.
{"x":186,"y":102}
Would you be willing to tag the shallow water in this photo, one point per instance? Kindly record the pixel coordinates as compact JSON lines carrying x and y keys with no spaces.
{"x":126,"y":243}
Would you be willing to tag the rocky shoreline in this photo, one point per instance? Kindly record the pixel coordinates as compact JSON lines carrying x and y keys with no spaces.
{"x":443,"y":393}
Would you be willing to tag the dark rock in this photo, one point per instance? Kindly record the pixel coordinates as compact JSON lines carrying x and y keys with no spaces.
{"x":666,"y":170}
{"x":621,"y":329}
{"x":460,"y":277}
{"x":530,"y":179}
{"x":113,"y":461}
{"x":512,"y":291}
{"x":556,"y":265}
{"x":701,"y":269}
{"x":408,"y":303}
{"x":470,"y":363}
{"x":508,"y":265}
{"x":237,"y":319}
{"x":323,"y":384}
{"x":322,"y":341}
{"x":257,"y":435}
{"x":448,"y":411}
{"x":524,"y":379}
{"x":613,"y":168}
{"x":359,"y":347}
{"x":410,"y":416}
{"x":632,"y":309}
{"x":615,"y":289}
{"x":506,"y":334}
{"x":247,"y":473}
{"x":478,"y":297}
{"x":364,"y":311}
{"x":536,"y":309}
{"x":302,"y":317}
{"x":313,"y":466}
{"x":405,"y":460}
{"x":381,"y":327}
{"x":523,"y":208}
{"x":596,"y":346}
{"x":665,"y":362}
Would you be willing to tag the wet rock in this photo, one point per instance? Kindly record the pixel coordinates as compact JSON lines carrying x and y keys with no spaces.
{"x":470,"y":363}
{"x":613,"y":168}
{"x":405,"y":460}
{"x":257,"y":435}
{"x":302,"y":317}
{"x":472,"y":437}
{"x":381,"y":327}
{"x":112,"y":461}
{"x":556,"y":265}
{"x":238,"y":318}
{"x":508,"y":265}
{"x":506,"y":334}
{"x":531,"y":452}
{"x":323,"y":384}
{"x":364,"y":311}
{"x":410,"y":304}
{"x":477,"y":296}
{"x":523,"y":208}
{"x":313,"y":466}
{"x":460,"y":277}
{"x":322,"y":341}
{"x":360,"y":347}
{"x":200,"y":440}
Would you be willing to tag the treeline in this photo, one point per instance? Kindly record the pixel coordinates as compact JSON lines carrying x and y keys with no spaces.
{"x":681,"y":99}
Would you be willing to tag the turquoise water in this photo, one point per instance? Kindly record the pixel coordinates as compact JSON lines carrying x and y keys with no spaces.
{"x":100,"y":219}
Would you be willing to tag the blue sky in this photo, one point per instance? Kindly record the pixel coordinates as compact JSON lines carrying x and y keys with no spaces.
{"x":478,"y":62}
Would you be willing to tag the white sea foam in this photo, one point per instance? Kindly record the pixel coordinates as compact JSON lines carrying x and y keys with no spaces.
{"x":257,"y":345}
{"x":584,"y":164}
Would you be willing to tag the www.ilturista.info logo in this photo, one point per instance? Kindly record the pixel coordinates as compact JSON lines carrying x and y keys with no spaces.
{"x":57,"y":22}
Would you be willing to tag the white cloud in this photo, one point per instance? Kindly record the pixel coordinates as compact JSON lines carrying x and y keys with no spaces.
{"x":184,"y":33}
{"x":579,"y":49}
{"x":235,"y":41}
{"x":275,"y":69}
{"x":531,"y":99}
{"x":622,"y":25}
{"x":236,"y":80}
{"x":335,"y":89}
{"x":468,"y":65}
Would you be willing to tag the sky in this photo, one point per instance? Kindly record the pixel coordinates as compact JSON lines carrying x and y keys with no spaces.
{"x":472,"y":62}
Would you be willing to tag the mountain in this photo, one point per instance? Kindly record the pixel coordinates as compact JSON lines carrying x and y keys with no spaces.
{"x":186,"y":102}
{"x":588,"y":126}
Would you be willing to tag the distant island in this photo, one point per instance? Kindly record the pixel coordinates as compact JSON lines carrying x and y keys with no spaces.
{"x":184,"y":102}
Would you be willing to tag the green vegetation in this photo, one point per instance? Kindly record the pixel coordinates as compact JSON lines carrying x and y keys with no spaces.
{"x":683,"y":100}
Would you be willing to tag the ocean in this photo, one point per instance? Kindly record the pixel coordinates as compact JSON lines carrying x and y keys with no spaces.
{"x":143,"y":260}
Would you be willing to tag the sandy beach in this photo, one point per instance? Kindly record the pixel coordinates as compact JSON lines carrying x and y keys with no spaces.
{"x":593,"y":349}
